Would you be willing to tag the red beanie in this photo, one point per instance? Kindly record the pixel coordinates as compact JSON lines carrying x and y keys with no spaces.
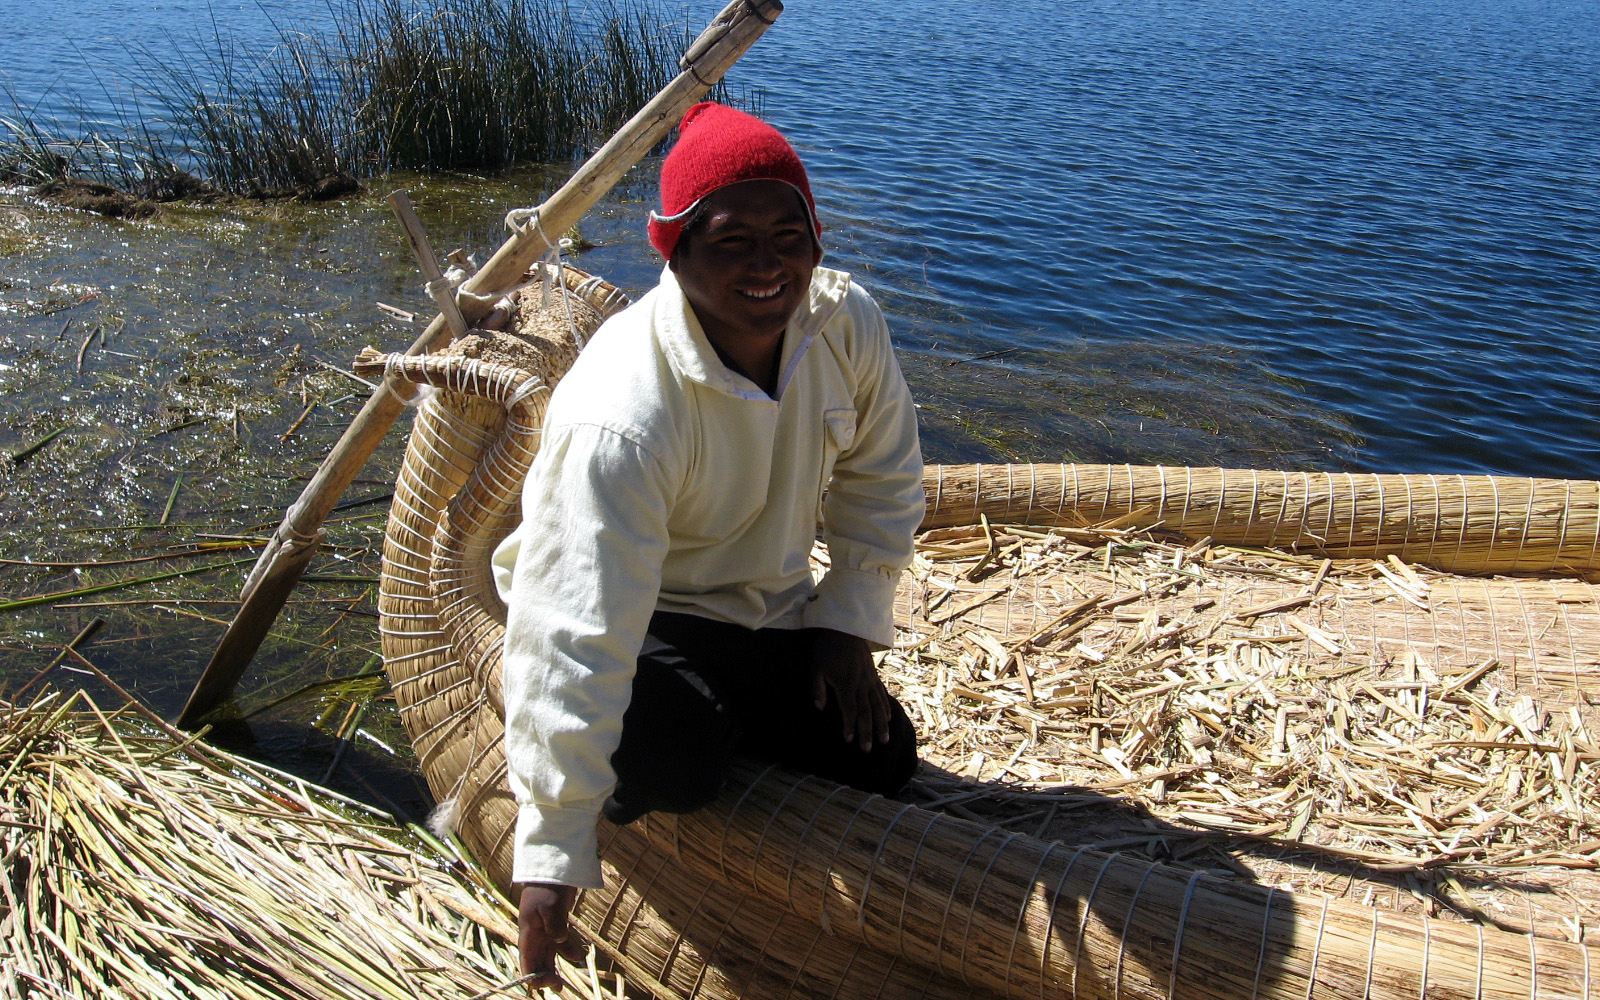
{"x":717,"y":146}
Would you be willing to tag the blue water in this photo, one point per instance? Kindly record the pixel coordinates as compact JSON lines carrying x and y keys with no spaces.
{"x":1370,"y":230}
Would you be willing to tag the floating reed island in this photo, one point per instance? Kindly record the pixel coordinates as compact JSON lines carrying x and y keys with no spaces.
{"x":1199,"y":732}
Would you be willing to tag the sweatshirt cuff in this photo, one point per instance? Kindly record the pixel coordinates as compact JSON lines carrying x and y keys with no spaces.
{"x":557,"y":845}
{"x":855,"y":601}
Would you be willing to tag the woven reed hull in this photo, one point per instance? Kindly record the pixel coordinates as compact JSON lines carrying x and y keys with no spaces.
{"x":1459,"y":524}
{"x":792,"y":887}
{"x":1029,"y":919}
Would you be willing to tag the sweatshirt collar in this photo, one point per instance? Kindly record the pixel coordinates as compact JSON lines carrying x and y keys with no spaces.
{"x":690,"y":352}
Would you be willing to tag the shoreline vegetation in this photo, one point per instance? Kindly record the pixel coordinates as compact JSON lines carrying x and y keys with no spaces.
{"x":462,"y":85}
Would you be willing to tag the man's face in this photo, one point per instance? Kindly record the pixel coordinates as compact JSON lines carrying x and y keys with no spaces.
{"x":746,"y":267}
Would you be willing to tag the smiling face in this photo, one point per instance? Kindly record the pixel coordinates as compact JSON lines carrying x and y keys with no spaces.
{"x":746,"y":265}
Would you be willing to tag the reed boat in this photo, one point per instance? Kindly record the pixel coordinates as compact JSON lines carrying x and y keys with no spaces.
{"x":1209,"y":733}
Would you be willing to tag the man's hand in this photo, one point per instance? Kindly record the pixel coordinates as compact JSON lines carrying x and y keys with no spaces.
{"x":542,"y":932}
{"x":842,"y":662}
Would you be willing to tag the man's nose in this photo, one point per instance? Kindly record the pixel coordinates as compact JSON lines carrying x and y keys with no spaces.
{"x":765,"y":259}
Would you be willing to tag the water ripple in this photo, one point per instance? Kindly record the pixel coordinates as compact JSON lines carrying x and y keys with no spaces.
{"x":1370,"y":225}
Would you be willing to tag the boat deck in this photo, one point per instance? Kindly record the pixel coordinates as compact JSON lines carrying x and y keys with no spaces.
{"x":1366,"y":728}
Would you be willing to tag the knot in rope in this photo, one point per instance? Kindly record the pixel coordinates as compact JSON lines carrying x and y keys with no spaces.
{"x":450,"y":283}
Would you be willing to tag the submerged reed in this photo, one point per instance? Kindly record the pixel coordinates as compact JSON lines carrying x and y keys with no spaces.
{"x":457,"y":85}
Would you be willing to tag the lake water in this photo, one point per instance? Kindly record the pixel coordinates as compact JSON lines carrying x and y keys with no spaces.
{"x":1302,"y":232}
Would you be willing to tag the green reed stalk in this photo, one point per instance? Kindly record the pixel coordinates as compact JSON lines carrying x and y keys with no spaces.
{"x":455,"y":85}
{"x":62,"y":595}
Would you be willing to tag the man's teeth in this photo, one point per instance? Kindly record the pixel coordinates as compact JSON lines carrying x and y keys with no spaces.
{"x":764,"y":293}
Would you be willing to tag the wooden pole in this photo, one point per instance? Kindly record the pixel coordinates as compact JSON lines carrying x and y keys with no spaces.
{"x":441,"y":293}
{"x":729,"y":35}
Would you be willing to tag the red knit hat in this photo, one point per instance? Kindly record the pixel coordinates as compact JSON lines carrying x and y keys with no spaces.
{"x":717,"y":146}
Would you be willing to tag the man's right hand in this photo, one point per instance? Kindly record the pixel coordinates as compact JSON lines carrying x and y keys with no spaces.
{"x":542,"y":932}
{"x":843,"y":663}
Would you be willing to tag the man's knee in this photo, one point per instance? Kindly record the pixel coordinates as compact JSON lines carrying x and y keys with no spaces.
{"x":884,"y":770}
{"x":889,"y":766}
{"x":681,"y":793}
{"x":677,"y":743}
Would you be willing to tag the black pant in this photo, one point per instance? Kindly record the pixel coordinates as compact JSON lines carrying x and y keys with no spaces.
{"x":706,"y":690}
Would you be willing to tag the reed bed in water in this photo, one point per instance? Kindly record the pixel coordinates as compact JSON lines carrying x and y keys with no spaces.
{"x":138,"y":862}
{"x":456,"y":85}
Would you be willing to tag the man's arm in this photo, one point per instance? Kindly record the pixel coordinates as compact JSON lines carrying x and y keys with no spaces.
{"x":874,"y":505}
{"x":586,"y":577}
{"x":542,"y":933}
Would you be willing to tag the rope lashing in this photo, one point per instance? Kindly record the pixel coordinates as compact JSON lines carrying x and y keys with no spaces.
{"x":555,"y":271}
{"x":524,"y":392}
{"x":286,"y":542}
{"x":522,"y":220}
{"x":450,"y":283}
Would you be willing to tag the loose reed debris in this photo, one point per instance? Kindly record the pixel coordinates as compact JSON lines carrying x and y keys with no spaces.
{"x":1364,"y":728}
{"x":139,"y":862}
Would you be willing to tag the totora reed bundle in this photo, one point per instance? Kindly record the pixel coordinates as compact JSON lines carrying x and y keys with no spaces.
{"x":139,"y":862}
{"x":1141,"y":729}
{"x":1460,"y":524}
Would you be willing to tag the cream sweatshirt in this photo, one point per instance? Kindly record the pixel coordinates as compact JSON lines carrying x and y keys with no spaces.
{"x":666,"y":481}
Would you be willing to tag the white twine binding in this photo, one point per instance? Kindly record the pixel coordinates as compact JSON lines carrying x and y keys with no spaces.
{"x":525,"y":391}
{"x":555,"y":272}
{"x":520,"y":221}
{"x":394,"y":374}
{"x":286,"y":542}
{"x":450,"y":283}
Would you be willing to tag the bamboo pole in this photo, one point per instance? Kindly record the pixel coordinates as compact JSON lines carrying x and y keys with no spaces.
{"x":729,"y":35}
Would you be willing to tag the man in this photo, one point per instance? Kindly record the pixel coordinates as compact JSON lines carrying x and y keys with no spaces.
{"x":662,"y":613}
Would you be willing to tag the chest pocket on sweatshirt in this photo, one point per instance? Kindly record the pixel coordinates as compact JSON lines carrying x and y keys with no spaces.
{"x":841,"y":430}
{"x":839,"y":433}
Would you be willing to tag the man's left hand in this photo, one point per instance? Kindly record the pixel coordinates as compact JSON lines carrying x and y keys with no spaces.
{"x":843,"y":662}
